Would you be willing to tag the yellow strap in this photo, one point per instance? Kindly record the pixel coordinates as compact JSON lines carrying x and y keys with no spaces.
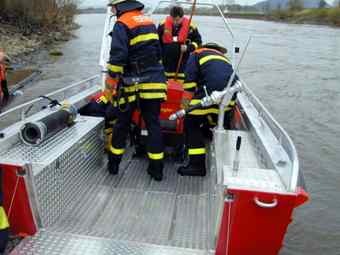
{"x":3,"y":219}
{"x":198,"y":151}
{"x":213,"y":57}
{"x":151,"y":86}
{"x":190,"y":85}
{"x":116,"y":151}
{"x":115,"y":68}
{"x":156,"y":156}
{"x":152,"y":95}
{"x":195,"y":45}
{"x":143,"y":38}
{"x":181,"y":75}
{"x":103,"y":99}
{"x":108,"y":131}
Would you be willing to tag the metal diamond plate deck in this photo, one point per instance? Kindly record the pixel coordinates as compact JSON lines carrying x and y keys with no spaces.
{"x":49,"y":243}
{"x":266,"y":180}
{"x":193,"y":222}
{"x":131,"y":206}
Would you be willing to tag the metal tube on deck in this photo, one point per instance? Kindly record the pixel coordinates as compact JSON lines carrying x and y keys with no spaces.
{"x":34,"y":133}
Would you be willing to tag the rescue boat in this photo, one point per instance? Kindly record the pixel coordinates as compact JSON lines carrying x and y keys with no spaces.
{"x":60,"y":199}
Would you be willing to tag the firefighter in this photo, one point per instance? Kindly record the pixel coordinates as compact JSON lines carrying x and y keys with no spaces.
{"x":4,"y":225}
{"x":3,"y":78}
{"x":177,"y":36}
{"x":208,"y":69}
{"x":136,"y":55}
{"x":100,"y":106}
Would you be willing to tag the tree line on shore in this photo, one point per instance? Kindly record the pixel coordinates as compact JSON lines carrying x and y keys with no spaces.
{"x":38,"y":15}
{"x":294,"y":11}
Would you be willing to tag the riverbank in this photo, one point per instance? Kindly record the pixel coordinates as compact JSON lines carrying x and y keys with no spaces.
{"x":26,"y":50}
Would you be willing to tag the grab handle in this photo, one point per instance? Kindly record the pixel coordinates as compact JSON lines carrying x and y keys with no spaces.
{"x":266,"y":205}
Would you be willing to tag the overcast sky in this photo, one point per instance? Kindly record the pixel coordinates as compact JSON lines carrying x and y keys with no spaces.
{"x":88,"y":3}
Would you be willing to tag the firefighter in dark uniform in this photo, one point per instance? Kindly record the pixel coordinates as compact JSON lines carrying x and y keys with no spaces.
{"x":4,"y":225}
{"x":135,"y":52}
{"x":207,"y":69}
{"x":177,"y":35}
{"x":3,"y":79}
{"x":100,"y":106}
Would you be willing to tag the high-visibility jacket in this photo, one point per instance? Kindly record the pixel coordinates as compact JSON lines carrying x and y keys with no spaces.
{"x":135,"y":52}
{"x":210,"y":69}
{"x":172,"y":37}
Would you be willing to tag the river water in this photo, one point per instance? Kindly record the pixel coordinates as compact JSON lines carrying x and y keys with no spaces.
{"x":294,"y":70}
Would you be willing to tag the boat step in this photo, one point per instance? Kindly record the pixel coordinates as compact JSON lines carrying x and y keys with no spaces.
{"x":47,"y":243}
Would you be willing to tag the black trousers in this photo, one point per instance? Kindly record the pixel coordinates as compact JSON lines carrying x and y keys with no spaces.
{"x":196,"y":127}
{"x":4,"y":87}
{"x":150,"y":111}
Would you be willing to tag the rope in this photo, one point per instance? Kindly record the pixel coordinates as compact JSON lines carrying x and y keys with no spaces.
{"x":13,"y":196}
{"x":182,"y":53}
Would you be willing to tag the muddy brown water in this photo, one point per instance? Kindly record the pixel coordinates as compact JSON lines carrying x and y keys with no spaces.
{"x":294,"y":70}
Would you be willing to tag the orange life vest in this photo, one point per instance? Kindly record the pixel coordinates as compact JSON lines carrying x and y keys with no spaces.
{"x":168,"y":30}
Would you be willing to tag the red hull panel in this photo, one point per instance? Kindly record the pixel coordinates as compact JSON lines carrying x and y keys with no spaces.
{"x":21,"y":218}
{"x":248,"y":228}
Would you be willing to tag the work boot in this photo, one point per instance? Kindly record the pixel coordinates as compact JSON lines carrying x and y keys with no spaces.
{"x":192,"y":170}
{"x":113,"y":164}
{"x":155,"y":170}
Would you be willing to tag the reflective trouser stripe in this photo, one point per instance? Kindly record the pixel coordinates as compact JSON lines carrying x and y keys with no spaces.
{"x":156,"y":156}
{"x":117,"y":151}
{"x":3,"y":219}
{"x":197,"y":151}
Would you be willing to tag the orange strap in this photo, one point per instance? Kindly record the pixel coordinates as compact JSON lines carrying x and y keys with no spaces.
{"x":198,"y":51}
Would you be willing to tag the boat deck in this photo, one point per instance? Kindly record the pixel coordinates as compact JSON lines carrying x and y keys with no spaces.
{"x":176,"y":212}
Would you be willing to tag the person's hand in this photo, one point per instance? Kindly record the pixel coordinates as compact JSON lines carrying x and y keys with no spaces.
{"x":184,"y":48}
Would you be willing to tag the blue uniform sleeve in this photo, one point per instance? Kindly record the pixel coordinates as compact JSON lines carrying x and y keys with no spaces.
{"x":191,"y":73}
{"x":119,"y":50}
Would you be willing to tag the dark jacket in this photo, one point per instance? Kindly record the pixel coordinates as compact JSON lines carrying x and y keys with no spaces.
{"x":135,"y":52}
{"x":171,"y":52}
{"x":209,"y":68}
